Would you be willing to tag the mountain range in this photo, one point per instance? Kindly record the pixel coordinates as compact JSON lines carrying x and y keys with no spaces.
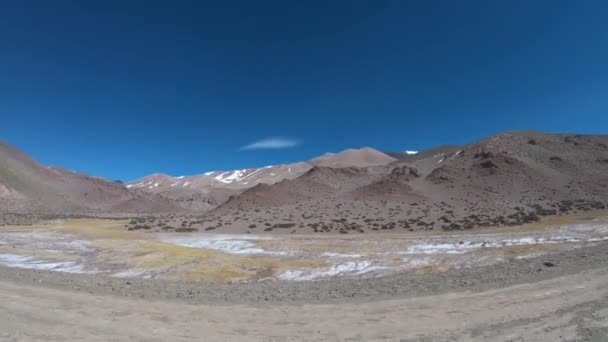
{"x":506,"y":179}
{"x":207,"y":190}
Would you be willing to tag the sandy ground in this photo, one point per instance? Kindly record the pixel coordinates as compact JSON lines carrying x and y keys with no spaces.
{"x":73,"y":280}
{"x":569,"y":308}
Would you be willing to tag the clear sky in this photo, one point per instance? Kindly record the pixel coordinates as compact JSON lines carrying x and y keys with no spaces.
{"x":122,"y":89}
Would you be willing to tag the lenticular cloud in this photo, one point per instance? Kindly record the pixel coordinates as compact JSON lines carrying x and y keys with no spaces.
{"x":272,"y":143}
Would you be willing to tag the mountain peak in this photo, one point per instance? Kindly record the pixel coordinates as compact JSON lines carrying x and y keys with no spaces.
{"x":361,"y":157}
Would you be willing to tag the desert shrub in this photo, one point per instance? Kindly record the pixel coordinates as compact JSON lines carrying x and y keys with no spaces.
{"x":487,"y":164}
{"x":483,"y":154}
{"x":283,"y":225}
{"x":185,"y":230}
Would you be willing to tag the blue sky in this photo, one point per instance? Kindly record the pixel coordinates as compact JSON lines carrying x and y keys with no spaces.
{"x":122,"y":89}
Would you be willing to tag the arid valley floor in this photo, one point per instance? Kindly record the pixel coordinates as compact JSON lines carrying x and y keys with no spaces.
{"x":91,"y":279}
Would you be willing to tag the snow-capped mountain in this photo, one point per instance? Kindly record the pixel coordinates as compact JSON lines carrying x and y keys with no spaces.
{"x":235,"y":179}
{"x":211,"y":188}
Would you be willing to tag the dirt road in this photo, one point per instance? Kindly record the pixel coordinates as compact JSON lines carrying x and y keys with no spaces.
{"x":569,"y":308}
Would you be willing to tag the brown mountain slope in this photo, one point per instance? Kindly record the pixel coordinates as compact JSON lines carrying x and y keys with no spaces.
{"x":206,"y":191}
{"x":319,"y":182}
{"x":353,"y":157}
{"x":507,"y":179}
{"x":25,"y":185}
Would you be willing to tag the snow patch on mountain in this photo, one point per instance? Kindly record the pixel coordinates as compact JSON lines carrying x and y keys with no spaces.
{"x":230,"y":177}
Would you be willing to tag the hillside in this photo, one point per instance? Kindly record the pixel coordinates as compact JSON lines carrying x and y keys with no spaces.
{"x":27,"y":186}
{"x":208,"y":190}
{"x":507,"y":179}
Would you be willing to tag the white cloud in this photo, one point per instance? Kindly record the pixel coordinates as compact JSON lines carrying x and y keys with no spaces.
{"x":411,"y":152}
{"x":272,"y":143}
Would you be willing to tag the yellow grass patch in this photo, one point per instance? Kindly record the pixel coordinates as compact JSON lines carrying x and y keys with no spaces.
{"x":329,"y":244}
{"x":94,"y":228}
{"x":214,"y":273}
{"x":248,"y":268}
{"x":432,"y":268}
{"x":193,"y":264}
{"x":525,"y":249}
{"x":37,"y":253}
{"x":551,"y":222}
